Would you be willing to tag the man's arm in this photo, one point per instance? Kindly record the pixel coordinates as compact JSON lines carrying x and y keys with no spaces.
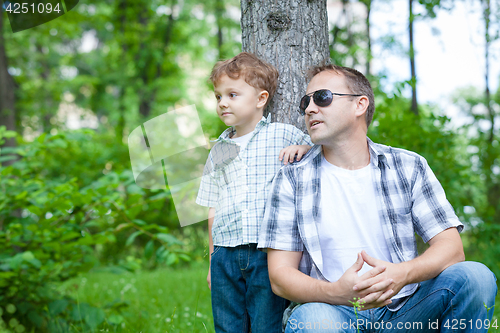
{"x":288,"y":282}
{"x":445,"y":250}
{"x":436,"y":222}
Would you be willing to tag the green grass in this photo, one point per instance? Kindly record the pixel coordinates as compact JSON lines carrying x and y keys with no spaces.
{"x":164,"y":300}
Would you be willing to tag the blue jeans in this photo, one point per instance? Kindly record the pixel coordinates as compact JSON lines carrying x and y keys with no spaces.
{"x":454,"y":301}
{"x":241,"y":291}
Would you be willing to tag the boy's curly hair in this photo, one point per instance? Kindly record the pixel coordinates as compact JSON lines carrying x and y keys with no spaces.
{"x":256,"y":72}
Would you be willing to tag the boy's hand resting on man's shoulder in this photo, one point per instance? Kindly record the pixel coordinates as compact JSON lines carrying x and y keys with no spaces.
{"x":288,"y":154}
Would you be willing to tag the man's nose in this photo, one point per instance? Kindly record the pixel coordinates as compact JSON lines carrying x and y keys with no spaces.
{"x":311,"y":108}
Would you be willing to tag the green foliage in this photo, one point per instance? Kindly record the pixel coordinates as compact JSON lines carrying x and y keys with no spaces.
{"x":50,"y":229}
{"x":485,"y":150}
{"x":357,"y":304}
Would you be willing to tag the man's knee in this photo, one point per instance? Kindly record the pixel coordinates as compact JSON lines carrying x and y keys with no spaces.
{"x":478,"y":279}
{"x":320,"y":317}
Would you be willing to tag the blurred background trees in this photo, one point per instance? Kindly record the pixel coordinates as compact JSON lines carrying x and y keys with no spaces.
{"x":73,"y":89}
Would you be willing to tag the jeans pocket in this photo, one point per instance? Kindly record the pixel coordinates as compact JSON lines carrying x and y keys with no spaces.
{"x":216,"y":249}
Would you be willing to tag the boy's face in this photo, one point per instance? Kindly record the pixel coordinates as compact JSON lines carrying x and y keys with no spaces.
{"x":239,"y":104}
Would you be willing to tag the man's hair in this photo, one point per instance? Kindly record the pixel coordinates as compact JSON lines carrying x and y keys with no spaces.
{"x":356,"y":82}
{"x":256,"y":72}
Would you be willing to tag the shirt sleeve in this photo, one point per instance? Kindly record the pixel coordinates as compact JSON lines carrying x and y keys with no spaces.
{"x":279,"y":228}
{"x":301,"y":138}
{"x":431,"y":211}
{"x":208,"y":194}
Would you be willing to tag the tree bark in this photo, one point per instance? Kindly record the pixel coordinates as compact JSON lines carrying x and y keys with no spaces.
{"x":7,"y":92}
{"x":490,"y":155}
{"x":368,"y":4}
{"x":219,"y":12}
{"x":292,"y":35}
{"x":487,"y":39}
{"x":414,"y":104}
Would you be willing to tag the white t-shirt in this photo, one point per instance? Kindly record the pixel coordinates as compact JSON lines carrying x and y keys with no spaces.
{"x":349,"y":220}
{"x":242,"y":141}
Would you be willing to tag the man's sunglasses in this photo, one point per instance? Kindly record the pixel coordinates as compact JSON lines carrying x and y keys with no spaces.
{"x":322,"y":98}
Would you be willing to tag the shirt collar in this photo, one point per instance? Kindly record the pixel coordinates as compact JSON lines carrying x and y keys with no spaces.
{"x":228,"y":133}
{"x":377,"y":158}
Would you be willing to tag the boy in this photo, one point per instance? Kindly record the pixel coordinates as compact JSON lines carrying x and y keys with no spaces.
{"x":238,"y":176}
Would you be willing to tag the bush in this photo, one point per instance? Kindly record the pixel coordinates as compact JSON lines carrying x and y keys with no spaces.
{"x":50,"y":228}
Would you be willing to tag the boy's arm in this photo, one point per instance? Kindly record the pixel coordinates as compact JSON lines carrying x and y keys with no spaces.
{"x":211,"y":214}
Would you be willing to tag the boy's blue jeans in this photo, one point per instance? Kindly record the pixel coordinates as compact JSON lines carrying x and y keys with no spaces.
{"x":241,"y":291}
{"x":454,"y":301}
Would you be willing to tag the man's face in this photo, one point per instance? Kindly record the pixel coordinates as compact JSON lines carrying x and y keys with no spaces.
{"x":238,"y":102}
{"x":335,"y":121}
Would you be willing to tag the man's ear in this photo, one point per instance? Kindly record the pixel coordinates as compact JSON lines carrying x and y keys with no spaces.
{"x":362,"y":105}
{"x":262,"y":98}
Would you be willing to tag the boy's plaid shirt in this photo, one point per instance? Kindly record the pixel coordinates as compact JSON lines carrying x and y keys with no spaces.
{"x":237,"y":183}
{"x":409,"y":198}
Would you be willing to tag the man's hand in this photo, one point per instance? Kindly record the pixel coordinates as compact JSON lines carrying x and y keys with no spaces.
{"x":445,"y":250}
{"x":288,"y":154}
{"x":376,"y":291}
{"x":394,"y":272}
{"x":288,"y":282}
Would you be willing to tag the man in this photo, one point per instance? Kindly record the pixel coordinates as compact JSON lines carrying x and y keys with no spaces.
{"x":353,"y":201}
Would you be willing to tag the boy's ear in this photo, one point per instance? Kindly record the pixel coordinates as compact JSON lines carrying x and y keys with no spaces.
{"x":262,"y":98}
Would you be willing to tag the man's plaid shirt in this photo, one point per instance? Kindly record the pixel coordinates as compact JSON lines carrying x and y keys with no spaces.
{"x":237,"y":183}
{"x":409,"y":198}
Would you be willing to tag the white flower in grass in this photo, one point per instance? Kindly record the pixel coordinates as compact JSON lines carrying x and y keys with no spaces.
{"x":168,"y":320}
{"x":199,"y":315}
{"x":126,"y":288}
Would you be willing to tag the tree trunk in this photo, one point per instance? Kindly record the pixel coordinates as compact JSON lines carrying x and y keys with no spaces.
{"x":490,"y":155}
{"x":292,"y":36}
{"x":350,"y":37}
{"x":414,"y":104}
{"x":487,"y":39}
{"x":368,"y":4}
{"x":219,"y":12}
{"x":7,"y":96}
